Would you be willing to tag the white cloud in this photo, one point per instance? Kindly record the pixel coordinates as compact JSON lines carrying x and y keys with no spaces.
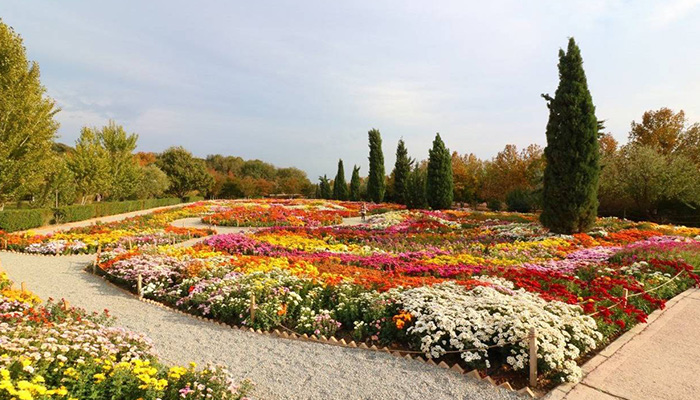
{"x":667,"y":12}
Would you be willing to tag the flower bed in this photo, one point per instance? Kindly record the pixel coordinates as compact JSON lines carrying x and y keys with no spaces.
{"x":146,"y":230}
{"x":446,"y":284}
{"x":53,"y":352}
{"x":265,"y":213}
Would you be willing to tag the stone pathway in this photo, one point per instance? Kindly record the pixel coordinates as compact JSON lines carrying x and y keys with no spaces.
{"x":658,"y":360}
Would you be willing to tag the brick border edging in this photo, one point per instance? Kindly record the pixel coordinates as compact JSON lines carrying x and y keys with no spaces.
{"x":561,"y":391}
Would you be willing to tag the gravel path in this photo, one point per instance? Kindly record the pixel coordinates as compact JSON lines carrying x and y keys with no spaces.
{"x":45,"y":230}
{"x":281,"y":368}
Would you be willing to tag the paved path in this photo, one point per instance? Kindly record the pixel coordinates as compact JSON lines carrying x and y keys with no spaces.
{"x":281,"y":368}
{"x":655,"y":361}
{"x":45,"y":230}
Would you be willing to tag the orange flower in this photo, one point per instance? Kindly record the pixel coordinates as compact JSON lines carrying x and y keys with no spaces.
{"x":283,"y":310}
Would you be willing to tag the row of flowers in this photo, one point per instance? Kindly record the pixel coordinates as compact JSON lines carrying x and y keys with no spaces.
{"x":152,"y":229}
{"x":265,"y":213}
{"x":53,"y":352}
{"x":442,"y":283}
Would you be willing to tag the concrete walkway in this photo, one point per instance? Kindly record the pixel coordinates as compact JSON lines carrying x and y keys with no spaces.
{"x":659,"y":360}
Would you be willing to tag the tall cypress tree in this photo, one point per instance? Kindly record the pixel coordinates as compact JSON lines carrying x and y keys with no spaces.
{"x":375,"y":180}
{"x":570,"y":194}
{"x":355,"y":184}
{"x":324,"y":187}
{"x":439,"y":184}
{"x":415,"y":189}
{"x":402,"y":168}
{"x":340,"y":187}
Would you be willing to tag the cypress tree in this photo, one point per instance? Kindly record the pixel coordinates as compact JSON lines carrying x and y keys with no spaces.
{"x":439,"y":184}
{"x":340,"y":187}
{"x":355,"y":184}
{"x":415,"y":189}
{"x":570,"y":194}
{"x":324,"y":187}
{"x":375,"y":180}
{"x":402,"y":168}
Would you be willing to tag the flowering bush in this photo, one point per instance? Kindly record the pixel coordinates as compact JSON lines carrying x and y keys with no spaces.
{"x":49,"y":352}
{"x":432,"y":281}
{"x":286,"y":212}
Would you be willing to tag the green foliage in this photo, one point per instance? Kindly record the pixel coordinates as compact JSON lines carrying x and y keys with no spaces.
{"x":639,"y":178}
{"x":375,"y":180}
{"x":340,"y":187}
{"x":402,"y":168}
{"x":570,"y":202}
{"x":19,"y":220}
{"x":58,"y":186}
{"x":123,"y":169}
{"x":439,"y":183}
{"x":151,"y":183}
{"x":520,"y":200}
{"x":355,"y":184}
{"x":28,"y":126}
{"x":494,"y":205}
{"x":89,"y":164}
{"x":324,"y":188}
{"x":74,"y":213}
{"x":415,"y":193}
{"x":185,"y":172}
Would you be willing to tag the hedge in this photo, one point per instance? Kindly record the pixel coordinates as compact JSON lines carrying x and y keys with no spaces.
{"x":19,"y":220}
{"x":192,"y":199}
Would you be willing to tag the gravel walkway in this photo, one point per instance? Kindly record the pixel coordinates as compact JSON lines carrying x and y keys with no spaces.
{"x":281,"y":368}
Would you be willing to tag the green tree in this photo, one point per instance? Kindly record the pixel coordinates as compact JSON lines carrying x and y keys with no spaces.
{"x":58,"y":187}
{"x":439,"y":184}
{"x":123,"y":167}
{"x":376,"y":178}
{"x":27,"y":125}
{"x":151,"y":182}
{"x":570,"y":202}
{"x":340,"y":187}
{"x":89,"y":164}
{"x":355,"y":184}
{"x":324,"y":188}
{"x":402,"y":167}
{"x":415,"y":193}
{"x":640,"y":178}
{"x":186,"y":173}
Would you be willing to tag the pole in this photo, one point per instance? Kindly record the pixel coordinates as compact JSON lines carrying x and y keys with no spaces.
{"x":139,"y":286}
{"x":625,"y":293}
{"x":252,"y":308}
{"x":533,"y":357}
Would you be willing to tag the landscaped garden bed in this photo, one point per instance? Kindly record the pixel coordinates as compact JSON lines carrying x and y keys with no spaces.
{"x":55,"y":351}
{"x":446,"y":284}
{"x":265,"y":213}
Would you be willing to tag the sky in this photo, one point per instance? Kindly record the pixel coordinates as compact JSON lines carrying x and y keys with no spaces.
{"x":299,"y":83}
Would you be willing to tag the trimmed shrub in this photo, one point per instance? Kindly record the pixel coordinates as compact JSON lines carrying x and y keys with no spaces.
{"x":74,"y":213}
{"x":192,"y":199}
{"x":494,"y":205}
{"x":519,"y":200}
{"x":19,"y":220}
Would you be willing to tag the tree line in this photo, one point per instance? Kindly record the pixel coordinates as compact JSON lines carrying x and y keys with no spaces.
{"x":582,"y":173}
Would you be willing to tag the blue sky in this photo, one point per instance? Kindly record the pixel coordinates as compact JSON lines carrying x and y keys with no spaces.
{"x":299,"y":83}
